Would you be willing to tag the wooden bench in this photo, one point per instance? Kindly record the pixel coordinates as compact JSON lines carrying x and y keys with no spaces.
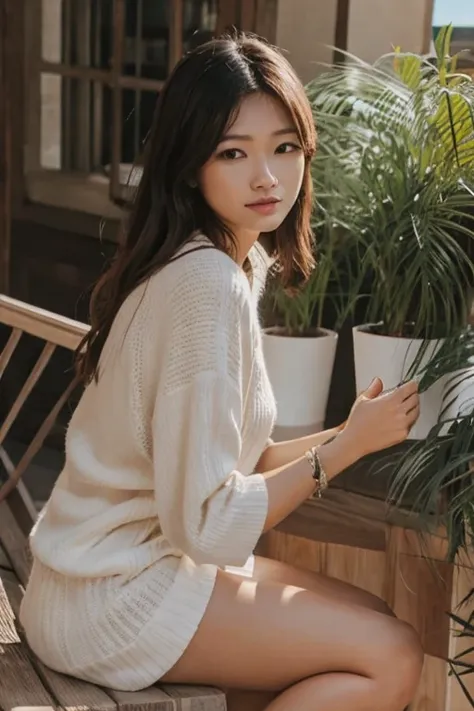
{"x":24,"y":680}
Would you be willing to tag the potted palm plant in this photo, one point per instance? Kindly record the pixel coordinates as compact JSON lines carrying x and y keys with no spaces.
{"x":300,"y":332}
{"x":398,"y":138}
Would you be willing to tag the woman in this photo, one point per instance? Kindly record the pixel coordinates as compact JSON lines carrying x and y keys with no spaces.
{"x":143,"y":566}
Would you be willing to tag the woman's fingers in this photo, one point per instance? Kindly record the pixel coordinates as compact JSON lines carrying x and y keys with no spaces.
{"x":410,"y":403}
{"x":413,"y":415}
{"x":407,"y":390}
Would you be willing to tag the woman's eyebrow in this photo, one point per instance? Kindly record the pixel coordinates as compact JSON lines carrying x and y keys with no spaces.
{"x":246,"y":137}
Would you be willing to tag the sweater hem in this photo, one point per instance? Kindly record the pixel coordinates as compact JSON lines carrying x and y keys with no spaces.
{"x":150,"y":653}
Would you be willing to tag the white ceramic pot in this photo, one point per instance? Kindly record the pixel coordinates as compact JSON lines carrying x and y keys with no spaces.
{"x":300,"y":371}
{"x":390,"y":359}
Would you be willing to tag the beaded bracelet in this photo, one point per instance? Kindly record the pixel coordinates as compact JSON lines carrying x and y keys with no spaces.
{"x":319,"y":475}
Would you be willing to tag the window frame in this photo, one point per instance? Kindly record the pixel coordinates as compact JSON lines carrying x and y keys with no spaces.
{"x":88,"y":192}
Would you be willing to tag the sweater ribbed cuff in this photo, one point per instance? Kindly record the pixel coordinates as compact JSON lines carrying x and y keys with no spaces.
{"x":249,"y":516}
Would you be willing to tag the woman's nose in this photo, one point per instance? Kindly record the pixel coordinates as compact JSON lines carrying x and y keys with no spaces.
{"x":264,"y":177}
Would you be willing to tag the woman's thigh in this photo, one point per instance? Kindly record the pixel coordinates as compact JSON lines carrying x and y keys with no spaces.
{"x":266,"y":635}
{"x":268,"y":569}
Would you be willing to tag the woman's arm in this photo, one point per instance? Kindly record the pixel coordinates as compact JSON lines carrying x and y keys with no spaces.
{"x":281,"y":454}
{"x":289,"y":486}
{"x":373,"y":425}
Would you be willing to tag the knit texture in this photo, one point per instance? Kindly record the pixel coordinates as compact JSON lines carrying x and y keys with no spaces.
{"x":158,"y":490}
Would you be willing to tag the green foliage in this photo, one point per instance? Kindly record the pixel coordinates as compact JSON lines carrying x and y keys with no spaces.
{"x":461,"y":665}
{"x":395,"y":174}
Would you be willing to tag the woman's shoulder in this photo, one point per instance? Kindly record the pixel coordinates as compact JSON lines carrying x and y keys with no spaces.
{"x":199,"y":269}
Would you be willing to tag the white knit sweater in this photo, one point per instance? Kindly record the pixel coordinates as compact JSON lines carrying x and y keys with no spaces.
{"x":158,"y":488}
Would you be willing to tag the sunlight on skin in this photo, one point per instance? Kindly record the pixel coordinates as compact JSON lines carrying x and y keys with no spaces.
{"x":260,"y":157}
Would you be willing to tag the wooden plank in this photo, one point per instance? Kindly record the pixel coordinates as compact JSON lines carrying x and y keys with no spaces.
{"x":43,"y":324}
{"x":72,"y":694}
{"x":227,"y":16}
{"x":248,"y":10}
{"x":16,"y":666}
{"x":340,"y":34}
{"x":347,"y":518}
{"x":340,"y":517}
{"x":195,"y":698}
{"x":418,"y":589}
{"x":8,"y":633}
{"x":6,"y":11}
{"x":297,"y":551}
{"x":431,"y":693}
{"x":152,"y":699}
{"x":463,"y":584}
{"x":360,"y":567}
{"x":15,"y":543}
{"x":266,"y":19}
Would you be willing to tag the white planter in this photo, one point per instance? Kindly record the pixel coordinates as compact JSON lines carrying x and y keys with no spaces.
{"x":390,"y":359}
{"x":300,"y":371}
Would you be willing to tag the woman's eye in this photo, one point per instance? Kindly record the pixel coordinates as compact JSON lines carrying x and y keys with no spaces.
{"x":231,"y":154}
{"x":288,"y":148}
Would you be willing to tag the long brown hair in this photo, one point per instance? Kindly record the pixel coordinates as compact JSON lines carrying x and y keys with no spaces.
{"x":198,"y":103}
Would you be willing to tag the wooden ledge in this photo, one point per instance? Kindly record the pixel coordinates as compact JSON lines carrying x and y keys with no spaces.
{"x":350,"y":519}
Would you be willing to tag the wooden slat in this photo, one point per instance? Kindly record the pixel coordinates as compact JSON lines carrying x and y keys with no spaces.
{"x":431,"y":693}
{"x":72,"y":694}
{"x":124,"y":81}
{"x":28,"y":386}
{"x":21,"y":488}
{"x":6,"y":76}
{"x":15,"y":543}
{"x":248,"y":11}
{"x":360,"y":567}
{"x":418,"y":590}
{"x":341,"y":516}
{"x":266,"y":17}
{"x":175,"y":34}
{"x":195,"y":698}
{"x":37,"y":442}
{"x":61,"y":331}
{"x":9,"y":349}
{"x":152,"y":699}
{"x":227,"y":15}
{"x":117,"y":71}
{"x":20,"y":685}
{"x":463,"y":584}
{"x":171,"y":697}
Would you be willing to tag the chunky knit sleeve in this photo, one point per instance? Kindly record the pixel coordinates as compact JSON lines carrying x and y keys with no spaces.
{"x":207,"y":508}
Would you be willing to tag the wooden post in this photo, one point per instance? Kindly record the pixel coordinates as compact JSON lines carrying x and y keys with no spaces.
{"x":340,"y":35}
{"x":6,"y":8}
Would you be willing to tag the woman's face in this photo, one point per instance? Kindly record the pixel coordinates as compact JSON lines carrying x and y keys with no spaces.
{"x":254,"y":176}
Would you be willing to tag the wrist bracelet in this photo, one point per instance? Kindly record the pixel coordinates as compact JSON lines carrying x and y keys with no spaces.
{"x":320,"y":476}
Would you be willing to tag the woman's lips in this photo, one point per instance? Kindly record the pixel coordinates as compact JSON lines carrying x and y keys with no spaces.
{"x":265,"y":208}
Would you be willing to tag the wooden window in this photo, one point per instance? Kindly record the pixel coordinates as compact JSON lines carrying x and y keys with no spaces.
{"x":94,"y":69}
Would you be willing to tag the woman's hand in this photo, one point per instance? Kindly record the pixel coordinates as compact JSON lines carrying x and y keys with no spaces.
{"x":379,"y":420}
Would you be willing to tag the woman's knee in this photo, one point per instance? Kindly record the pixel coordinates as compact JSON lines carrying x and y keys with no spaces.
{"x":373,"y":602}
{"x":401,"y":658}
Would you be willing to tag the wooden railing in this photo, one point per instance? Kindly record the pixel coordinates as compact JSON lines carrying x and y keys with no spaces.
{"x":54,"y":331}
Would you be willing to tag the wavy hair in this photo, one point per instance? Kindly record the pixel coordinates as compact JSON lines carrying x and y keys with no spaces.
{"x":198,"y":103}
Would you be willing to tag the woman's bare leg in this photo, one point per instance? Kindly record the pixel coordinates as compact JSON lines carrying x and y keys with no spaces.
{"x":268,"y":569}
{"x":317,"y":651}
